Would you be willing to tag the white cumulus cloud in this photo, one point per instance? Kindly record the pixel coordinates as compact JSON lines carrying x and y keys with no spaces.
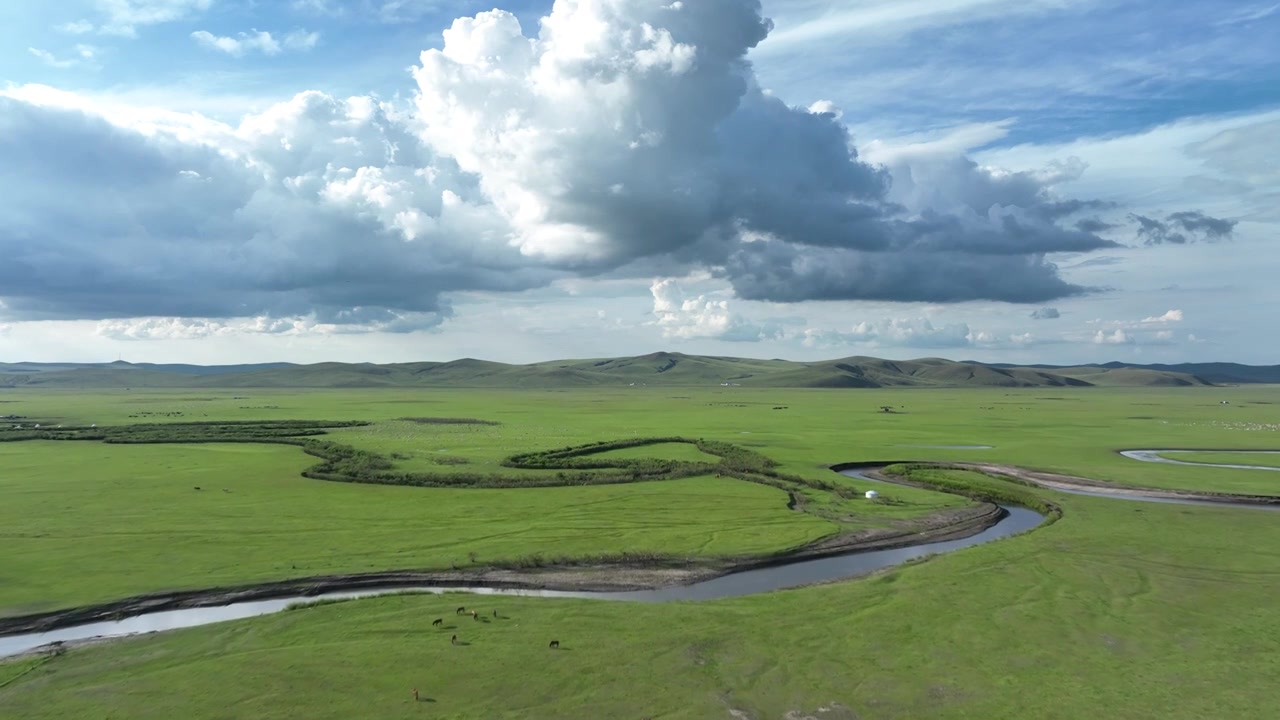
{"x":84,"y":55}
{"x":256,"y":41}
{"x":77,"y":27}
{"x":1116,"y":337}
{"x":177,"y":328}
{"x":122,"y":17}
{"x":682,"y":317}
{"x":910,"y":332}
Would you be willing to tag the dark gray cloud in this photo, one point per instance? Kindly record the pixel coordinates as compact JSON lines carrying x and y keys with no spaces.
{"x":1094,"y":225}
{"x":1058,"y":209}
{"x":104,"y":222}
{"x":783,"y":272}
{"x":1182,"y":227}
{"x":1101,"y":261}
{"x":1046,"y":313}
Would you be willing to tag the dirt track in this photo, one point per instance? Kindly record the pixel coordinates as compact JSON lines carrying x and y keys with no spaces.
{"x":1056,"y":481}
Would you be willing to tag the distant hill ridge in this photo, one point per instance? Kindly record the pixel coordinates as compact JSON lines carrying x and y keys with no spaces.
{"x":1218,"y":373}
{"x":659,"y":369}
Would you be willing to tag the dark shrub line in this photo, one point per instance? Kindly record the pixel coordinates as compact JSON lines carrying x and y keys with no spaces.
{"x":561,"y":458}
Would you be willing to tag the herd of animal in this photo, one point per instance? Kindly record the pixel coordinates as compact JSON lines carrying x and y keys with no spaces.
{"x":475,"y":615}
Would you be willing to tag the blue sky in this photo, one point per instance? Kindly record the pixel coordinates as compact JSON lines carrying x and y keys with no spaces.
{"x":973,"y":125}
{"x":1064,"y":69}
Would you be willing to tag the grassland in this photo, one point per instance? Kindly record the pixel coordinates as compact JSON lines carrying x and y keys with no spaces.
{"x":1065,"y":430}
{"x":91,"y":522}
{"x":88,"y":523}
{"x":1118,"y":610}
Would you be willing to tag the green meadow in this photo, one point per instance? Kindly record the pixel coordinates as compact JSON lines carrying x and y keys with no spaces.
{"x":88,"y":522}
{"x":1119,"y":609}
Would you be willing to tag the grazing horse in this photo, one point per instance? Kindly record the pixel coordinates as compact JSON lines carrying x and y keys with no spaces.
{"x":475,"y":615}
{"x":453,"y":640}
{"x":437,"y":622}
{"x":555,"y":644}
{"x":460,"y":611}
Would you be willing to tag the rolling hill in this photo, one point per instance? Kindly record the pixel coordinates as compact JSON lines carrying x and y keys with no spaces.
{"x":658,"y":369}
{"x":1218,"y":373}
{"x":38,"y":367}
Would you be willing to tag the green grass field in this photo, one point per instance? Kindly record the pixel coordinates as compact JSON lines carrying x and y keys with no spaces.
{"x":1120,"y":609}
{"x":1111,"y":612}
{"x":86,"y":522}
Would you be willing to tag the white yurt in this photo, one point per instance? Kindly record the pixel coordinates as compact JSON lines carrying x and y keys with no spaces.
{"x":872,"y":494}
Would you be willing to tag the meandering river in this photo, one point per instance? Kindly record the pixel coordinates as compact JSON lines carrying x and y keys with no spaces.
{"x":747,"y":582}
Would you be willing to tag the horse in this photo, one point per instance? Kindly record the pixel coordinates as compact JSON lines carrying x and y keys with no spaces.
{"x":454,"y":640}
{"x":555,"y":644}
{"x":438,"y":622}
{"x":495,"y":613}
{"x":460,"y":610}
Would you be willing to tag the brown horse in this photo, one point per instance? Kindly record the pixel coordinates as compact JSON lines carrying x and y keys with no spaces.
{"x":555,"y":644}
{"x":437,"y":622}
{"x":460,"y":611}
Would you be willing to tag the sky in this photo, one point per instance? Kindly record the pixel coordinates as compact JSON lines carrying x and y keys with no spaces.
{"x":230,"y":181}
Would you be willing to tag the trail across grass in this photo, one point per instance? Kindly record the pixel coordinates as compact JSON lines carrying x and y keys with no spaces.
{"x":1228,"y":458}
